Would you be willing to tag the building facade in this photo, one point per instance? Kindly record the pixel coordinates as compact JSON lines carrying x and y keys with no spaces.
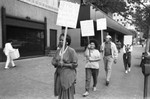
{"x":124,"y":22}
{"x":31,"y":24}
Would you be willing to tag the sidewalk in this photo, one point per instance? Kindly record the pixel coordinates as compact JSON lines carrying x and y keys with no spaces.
{"x":34,"y":79}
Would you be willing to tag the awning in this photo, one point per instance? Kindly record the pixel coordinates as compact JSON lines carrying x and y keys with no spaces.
{"x":110,"y":22}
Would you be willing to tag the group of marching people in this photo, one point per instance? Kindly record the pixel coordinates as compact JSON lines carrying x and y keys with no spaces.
{"x":65,"y":74}
{"x":65,"y":61}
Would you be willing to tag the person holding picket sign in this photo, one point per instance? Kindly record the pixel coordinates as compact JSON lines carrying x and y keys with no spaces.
{"x":127,"y":49}
{"x":7,"y":50}
{"x":65,"y":74}
{"x":92,"y":55}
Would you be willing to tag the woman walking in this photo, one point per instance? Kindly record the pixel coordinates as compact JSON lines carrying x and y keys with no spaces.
{"x":65,"y":74}
{"x":92,"y":66}
{"x":7,"y":50}
{"x":127,"y":49}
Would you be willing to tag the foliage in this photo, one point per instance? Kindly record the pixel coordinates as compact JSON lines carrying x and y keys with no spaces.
{"x":109,"y":5}
{"x":141,"y":16}
{"x":136,"y":8}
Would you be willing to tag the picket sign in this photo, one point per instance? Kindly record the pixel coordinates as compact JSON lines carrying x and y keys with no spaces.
{"x":68,"y":14}
{"x":87,"y":28}
{"x":101,"y":25}
{"x":128,"y":39}
{"x":67,"y":17}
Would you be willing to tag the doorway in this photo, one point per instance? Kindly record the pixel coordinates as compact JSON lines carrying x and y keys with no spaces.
{"x":30,"y":42}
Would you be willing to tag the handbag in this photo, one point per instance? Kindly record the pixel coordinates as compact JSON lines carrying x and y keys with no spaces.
{"x":15,"y":54}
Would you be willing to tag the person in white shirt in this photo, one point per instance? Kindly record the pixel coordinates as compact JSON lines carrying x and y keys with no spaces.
{"x":127,"y":49}
{"x":92,"y":66}
{"x":7,"y":49}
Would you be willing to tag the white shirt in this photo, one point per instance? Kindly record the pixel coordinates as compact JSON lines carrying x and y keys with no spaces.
{"x":8,"y":48}
{"x":93,"y":55}
{"x":114,"y":50}
{"x":130,"y":49}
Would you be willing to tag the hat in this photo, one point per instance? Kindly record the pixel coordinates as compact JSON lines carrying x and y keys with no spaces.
{"x":108,"y":36}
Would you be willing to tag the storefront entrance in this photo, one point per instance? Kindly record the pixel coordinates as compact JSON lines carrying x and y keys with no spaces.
{"x":30,"y":42}
{"x":28,"y":35}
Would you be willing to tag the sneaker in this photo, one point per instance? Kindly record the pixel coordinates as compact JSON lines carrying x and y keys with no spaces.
{"x":129,"y":69}
{"x":94,"y":89}
{"x":6,"y":67}
{"x":107,"y":83}
{"x":85,"y":94}
{"x":14,"y":66}
{"x":126,"y":71}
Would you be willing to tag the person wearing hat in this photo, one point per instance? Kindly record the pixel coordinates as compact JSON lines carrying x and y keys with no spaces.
{"x":110,"y":54}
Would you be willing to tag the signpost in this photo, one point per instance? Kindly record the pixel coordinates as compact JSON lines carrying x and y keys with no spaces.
{"x":101,"y":25}
{"x":67,"y":17}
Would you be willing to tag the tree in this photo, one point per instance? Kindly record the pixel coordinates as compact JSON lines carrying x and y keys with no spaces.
{"x":141,"y":16}
{"x":136,"y":8}
{"x":109,"y":5}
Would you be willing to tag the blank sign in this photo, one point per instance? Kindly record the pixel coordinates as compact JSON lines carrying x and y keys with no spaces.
{"x":101,"y":24}
{"x":128,"y":39}
{"x":87,"y":28}
{"x":68,"y":14}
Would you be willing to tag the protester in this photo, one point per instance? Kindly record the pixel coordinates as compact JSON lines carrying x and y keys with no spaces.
{"x":110,"y":54}
{"x":65,"y":74}
{"x":92,"y":66}
{"x":7,"y":50}
{"x":127,"y":49}
{"x":118,"y":44}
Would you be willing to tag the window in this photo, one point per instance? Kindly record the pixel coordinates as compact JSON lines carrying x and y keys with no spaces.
{"x":29,"y":41}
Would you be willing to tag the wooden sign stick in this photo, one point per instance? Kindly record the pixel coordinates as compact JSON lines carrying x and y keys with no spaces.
{"x":64,"y":42}
{"x":102,"y":36}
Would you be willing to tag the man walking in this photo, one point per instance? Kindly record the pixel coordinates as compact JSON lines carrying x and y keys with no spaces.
{"x":110,"y":54}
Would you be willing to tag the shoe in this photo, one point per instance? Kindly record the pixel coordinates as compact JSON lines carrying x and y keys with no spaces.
{"x":6,"y":67}
{"x":126,"y":71}
{"x":129,"y":69}
{"x":85,"y":94}
{"x":14,"y":66}
{"x":94,"y":89}
{"x":107,"y":83}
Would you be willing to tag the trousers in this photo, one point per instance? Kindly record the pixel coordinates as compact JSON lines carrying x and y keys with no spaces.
{"x":108,"y":61}
{"x":9,"y":59}
{"x":127,"y":60}
{"x":91,"y":72}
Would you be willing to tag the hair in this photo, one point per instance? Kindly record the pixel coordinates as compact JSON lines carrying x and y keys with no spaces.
{"x":95,"y":42}
{"x":68,"y":38}
{"x":9,"y":41}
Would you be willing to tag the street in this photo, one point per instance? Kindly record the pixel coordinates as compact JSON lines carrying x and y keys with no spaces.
{"x":34,"y":79}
